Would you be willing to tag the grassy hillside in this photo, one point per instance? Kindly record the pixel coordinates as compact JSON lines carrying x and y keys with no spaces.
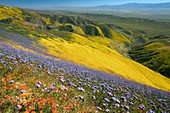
{"x":93,"y":30}
{"x":98,"y":56}
{"x":150,"y":27}
{"x":94,"y":50}
{"x":31,"y":83}
{"x":154,"y":55}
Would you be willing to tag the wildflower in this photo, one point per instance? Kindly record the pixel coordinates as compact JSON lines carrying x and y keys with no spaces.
{"x":123,"y":98}
{"x":2,"y":101}
{"x":99,"y":108}
{"x":76,"y":97}
{"x":107,"y":110}
{"x":26,"y":112}
{"x":18,"y":107}
{"x":105,"y":104}
{"x":39,"y":82}
{"x":10,"y":88}
{"x":7,"y":97}
{"x":110,"y":94}
{"x":1,"y":54}
{"x":117,"y":105}
{"x":52,"y":87}
{"x":4,"y":65}
{"x":142,"y":107}
{"x":51,"y":99}
{"x":32,"y":108}
{"x":10,"y":69}
{"x":45,"y":89}
{"x":151,"y":102}
{"x":65,"y":94}
{"x":150,"y":111}
{"x":81,"y":89}
{"x":68,"y":108}
{"x":40,"y":106}
{"x":22,"y":91}
{"x":126,"y":107}
{"x":62,"y":80}
{"x":63,"y":88}
{"x":131,"y":103}
{"x":11,"y":81}
{"x":57,"y":105}
{"x":38,"y":85}
{"x":93,"y":97}
{"x":107,"y":100}
{"x":18,"y":56}
{"x":81,"y":97}
{"x":116,"y":100}
{"x":49,"y":72}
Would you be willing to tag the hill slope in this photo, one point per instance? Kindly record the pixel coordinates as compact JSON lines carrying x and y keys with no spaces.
{"x":32,"y":83}
{"x":154,"y":55}
{"x":86,"y":49}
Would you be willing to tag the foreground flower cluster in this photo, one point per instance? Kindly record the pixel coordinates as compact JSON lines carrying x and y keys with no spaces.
{"x":31,"y":83}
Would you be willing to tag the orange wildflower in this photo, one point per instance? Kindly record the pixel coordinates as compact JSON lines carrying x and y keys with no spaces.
{"x":10,"y":85}
{"x":22,"y":95}
{"x":43,"y":101}
{"x":20,"y":86}
{"x":33,"y":99}
{"x":68,"y":108}
{"x":75,"y":103}
{"x":23,"y":101}
{"x":4,"y":82}
{"x":39,"y":99}
{"x":54,"y":110}
{"x":32,"y":108}
{"x":7,"y":97}
{"x":51,"y":98}
{"x":2,"y":101}
{"x":49,"y":85}
{"x":5,"y":88}
{"x":65,"y":105}
{"x":26,"y":112}
{"x":10,"y":88}
{"x":27,"y":104}
{"x":40,"y":106}
{"x":15,"y":86}
{"x":56,"y":89}
{"x":21,"y":75}
{"x":28,"y":81}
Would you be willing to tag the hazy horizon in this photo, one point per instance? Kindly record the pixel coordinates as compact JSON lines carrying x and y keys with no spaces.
{"x":70,"y":3}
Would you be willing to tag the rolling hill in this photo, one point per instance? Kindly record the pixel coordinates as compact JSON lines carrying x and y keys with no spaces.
{"x":67,"y":63}
{"x":154,"y":55}
{"x":90,"y":46}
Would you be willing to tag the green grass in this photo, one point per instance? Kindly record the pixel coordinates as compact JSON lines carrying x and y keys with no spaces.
{"x":154,"y":55}
{"x":135,"y":24}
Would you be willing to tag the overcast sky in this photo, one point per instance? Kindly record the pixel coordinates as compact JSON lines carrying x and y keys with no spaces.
{"x":70,"y":3}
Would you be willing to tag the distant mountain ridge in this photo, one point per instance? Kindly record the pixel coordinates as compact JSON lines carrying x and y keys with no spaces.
{"x":138,"y":6}
{"x":128,"y":6}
